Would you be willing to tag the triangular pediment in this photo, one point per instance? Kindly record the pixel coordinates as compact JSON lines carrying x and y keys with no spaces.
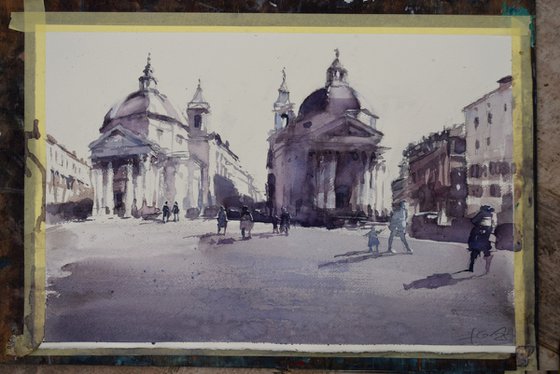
{"x":348,"y":129}
{"x":344,"y":127}
{"x":120,"y":142}
{"x":119,"y":137}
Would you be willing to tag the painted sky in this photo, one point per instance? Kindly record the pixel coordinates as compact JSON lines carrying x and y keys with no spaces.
{"x":416,"y":84}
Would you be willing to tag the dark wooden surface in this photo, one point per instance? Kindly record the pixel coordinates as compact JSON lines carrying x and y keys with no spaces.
{"x":547,"y":54}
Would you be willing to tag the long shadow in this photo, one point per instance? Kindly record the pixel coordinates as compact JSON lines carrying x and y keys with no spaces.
{"x":352,"y":253}
{"x":435,"y":281}
{"x":349,"y":260}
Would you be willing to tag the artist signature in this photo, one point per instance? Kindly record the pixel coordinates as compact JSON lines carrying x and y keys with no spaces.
{"x":480,"y":336}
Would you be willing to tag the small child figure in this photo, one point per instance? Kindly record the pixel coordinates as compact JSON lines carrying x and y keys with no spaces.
{"x":373,"y":240}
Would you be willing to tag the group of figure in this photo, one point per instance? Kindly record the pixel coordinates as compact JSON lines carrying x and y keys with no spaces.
{"x":397,"y":226}
{"x":246,"y":222}
{"x":284,"y":221}
{"x":167,"y":212}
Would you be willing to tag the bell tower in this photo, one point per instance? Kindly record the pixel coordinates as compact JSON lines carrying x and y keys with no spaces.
{"x":282,"y":107}
{"x":198,"y":111}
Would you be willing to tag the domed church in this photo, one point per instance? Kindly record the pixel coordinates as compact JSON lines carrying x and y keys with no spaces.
{"x":327,"y":158}
{"x":150,"y":152}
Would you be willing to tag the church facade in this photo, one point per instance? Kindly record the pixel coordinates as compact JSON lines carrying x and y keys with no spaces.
{"x":149,"y":152}
{"x":327,"y":159}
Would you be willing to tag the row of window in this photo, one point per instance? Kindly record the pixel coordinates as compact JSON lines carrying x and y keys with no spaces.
{"x":494,"y":190}
{"x":63,"y":162}
{"x":493,"y":168}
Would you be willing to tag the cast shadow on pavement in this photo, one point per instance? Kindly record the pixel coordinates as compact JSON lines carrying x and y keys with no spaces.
{"x":435,"y":281}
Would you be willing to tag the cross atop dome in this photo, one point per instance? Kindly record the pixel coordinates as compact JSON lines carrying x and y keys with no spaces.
{"x":148,"y":80}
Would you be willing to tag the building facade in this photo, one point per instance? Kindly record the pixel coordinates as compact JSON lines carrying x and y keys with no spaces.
{"x":489,"y":138}
{"x":149,"y":152}
{"x":327,"y":158}
{"x":68,"y":176}
{"x":433,"y":175}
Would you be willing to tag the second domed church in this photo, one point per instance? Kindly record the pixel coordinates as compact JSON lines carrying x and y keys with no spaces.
{"x":149,"y":152}
{"x":327,"y":158}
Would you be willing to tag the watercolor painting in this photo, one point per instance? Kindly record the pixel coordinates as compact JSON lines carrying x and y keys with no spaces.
{"x":280,"y":187}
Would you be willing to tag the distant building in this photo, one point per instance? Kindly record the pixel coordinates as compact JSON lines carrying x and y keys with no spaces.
{"x":68,"y":179}
{"x":150,"y":152}
{"x":435,"y":179}
{"x":327,"y":159}
{"x":489,"y":136}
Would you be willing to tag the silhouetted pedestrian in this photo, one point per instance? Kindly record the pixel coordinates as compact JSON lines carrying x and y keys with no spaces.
{"x":275,"y":220}
{"x":165,"y":211}
{"x":246,"y":222}
{"x":484,"y":223}
{"x":222,"y":220}
{"x":175,"y":211}
{"x":285,"y":220}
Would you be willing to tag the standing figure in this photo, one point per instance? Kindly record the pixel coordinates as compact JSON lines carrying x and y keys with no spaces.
{"x":275,"y":220}
{"x":484,"y":223}
{"x":246,"y":222}
{"x":175,"y":211}
{"x":373,"y":240}
{"x":165,"y":210}
{"x":397,"y":225}
{"x":285,"y":219}
{"x":222,"y":220}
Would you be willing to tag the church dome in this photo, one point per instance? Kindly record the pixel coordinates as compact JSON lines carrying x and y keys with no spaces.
{"x":336,"y":98}
{"x":146,"y":100}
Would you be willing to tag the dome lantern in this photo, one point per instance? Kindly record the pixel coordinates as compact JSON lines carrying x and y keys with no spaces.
{"x":148,"y":80}
{"x":336,"y":73}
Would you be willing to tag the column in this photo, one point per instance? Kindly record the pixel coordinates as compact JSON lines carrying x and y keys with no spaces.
{"x":320,"y":181}
{"x":157,"y":185}
{"x":143,"y":165}
{"x":108,"y":188}
{"x":330,"y":176}
{"x":97,"y":181}
{"x":129,"y":190}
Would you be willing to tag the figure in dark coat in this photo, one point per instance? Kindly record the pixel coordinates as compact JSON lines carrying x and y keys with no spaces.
{"x":479,"y":239}
{"x":165,"y":211}
{"x":285,"y":219}
{"x":275,"y":220}
{"x":175,"y":211}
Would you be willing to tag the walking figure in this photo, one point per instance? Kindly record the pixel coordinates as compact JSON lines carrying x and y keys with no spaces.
{"x":373,"y":240}
{"x":397,"y":225}
{"x":246,"y":222}
{"x":275,"y":220}
{"x":222,"y":220}
{"x":485,"y":223}
{"x":165,"y":212}
{"x":175,"y":211}
{"x":285,"y":219}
